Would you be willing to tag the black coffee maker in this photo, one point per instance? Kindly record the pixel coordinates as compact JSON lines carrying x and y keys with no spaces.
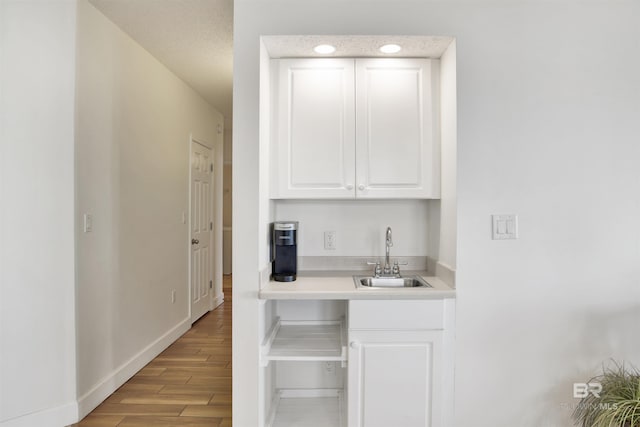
{"x":284,"y":250}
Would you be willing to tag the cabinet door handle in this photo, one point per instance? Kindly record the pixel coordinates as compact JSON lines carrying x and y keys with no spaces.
{"x":349,"y":186}
{"x":354,"y":345}
{"x":361,"y":187}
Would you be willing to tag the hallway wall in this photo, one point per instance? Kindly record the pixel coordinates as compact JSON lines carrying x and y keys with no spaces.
{"x":134,"y":120}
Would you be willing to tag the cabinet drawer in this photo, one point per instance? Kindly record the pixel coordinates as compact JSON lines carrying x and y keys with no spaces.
{"x":396,"y":314}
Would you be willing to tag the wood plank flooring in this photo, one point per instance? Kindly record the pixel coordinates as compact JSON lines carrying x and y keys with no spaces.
{"x":188,"y":384}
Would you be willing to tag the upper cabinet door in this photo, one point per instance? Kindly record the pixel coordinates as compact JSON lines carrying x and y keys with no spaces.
{"x":397,"y":133}
{"x":314,"y":151}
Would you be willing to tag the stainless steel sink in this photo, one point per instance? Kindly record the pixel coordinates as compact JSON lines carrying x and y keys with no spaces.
{"x":367,"y":282}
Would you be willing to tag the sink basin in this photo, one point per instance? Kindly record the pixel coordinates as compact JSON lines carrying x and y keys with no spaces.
{"x":367,"y":282}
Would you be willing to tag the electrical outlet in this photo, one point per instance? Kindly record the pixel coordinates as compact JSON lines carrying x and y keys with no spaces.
{"x":330,"y":240}
{"x":173,"y":296}
{"x":88,"y":223}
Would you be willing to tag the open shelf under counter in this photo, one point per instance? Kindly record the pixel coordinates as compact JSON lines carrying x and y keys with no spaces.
{"x":312,"y":340}
{"x":308,"y":408}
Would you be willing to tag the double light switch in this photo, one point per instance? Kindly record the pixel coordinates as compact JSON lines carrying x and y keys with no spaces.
{"x":505,"y":227}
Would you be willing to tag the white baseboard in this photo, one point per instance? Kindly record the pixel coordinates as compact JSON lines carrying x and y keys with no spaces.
{"x":53,"y":417}
{"x":219,"y":299}
{"x":109,"y":384}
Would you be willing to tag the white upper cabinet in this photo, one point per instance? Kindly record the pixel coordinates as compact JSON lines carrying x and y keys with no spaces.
{"x":397,"y":139}
{"x":314,"y":153}
{"x":363,"y":128}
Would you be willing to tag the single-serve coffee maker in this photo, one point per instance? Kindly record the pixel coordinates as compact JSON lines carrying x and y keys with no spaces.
{"x":284,"y":251}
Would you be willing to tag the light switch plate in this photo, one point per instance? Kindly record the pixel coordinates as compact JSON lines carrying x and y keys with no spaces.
{"x":505,"y":226}
{"x":88,"y":223}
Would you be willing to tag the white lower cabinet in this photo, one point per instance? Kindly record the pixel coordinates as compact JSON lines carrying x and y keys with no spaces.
{"x":400,"y":363}
{"x":361,"y":363}
{"x":394,"y":377}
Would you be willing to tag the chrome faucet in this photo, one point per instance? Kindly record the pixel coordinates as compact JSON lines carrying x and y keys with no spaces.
{"x":388,"y":244}
{"x":388,"y":270}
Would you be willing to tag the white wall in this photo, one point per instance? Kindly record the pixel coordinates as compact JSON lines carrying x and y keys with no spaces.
{"x":549,"y":132}
{"x":547,"y":127}
{"x":134,"y":121}
{"x":37,"y":335}
{"x":360,"y":226}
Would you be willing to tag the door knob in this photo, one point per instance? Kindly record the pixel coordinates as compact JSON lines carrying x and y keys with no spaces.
{"x":361,"y":187}
{"x":195,"y":241}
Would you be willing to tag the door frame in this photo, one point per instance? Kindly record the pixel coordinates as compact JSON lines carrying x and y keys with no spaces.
{"x":216,"y":296}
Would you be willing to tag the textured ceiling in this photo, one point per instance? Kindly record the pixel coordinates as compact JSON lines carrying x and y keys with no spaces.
{"x":193,"y":38}
{"x":356,"y":46}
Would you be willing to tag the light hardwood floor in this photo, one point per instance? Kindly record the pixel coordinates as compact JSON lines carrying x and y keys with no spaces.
{"x":188,"y":384}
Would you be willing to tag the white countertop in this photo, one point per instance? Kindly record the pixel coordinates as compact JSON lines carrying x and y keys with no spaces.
{"x":337,"y":285}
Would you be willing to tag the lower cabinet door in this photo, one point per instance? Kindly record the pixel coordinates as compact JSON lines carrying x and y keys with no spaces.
{"x":395,"y":378}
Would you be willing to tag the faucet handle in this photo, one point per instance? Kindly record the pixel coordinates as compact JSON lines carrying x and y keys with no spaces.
{"x":378,"y":270}
{"x":396,"y":267}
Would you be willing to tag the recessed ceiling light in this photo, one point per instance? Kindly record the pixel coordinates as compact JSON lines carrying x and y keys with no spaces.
{"x":324,"y":49}
{"x":390,"y":48}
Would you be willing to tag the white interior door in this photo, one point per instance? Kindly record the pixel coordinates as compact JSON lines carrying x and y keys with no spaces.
{"x":201,"y":229}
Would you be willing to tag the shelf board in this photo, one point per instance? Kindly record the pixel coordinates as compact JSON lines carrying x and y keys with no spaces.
{"x":300,"y":408}
{"x":305,"y":341}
